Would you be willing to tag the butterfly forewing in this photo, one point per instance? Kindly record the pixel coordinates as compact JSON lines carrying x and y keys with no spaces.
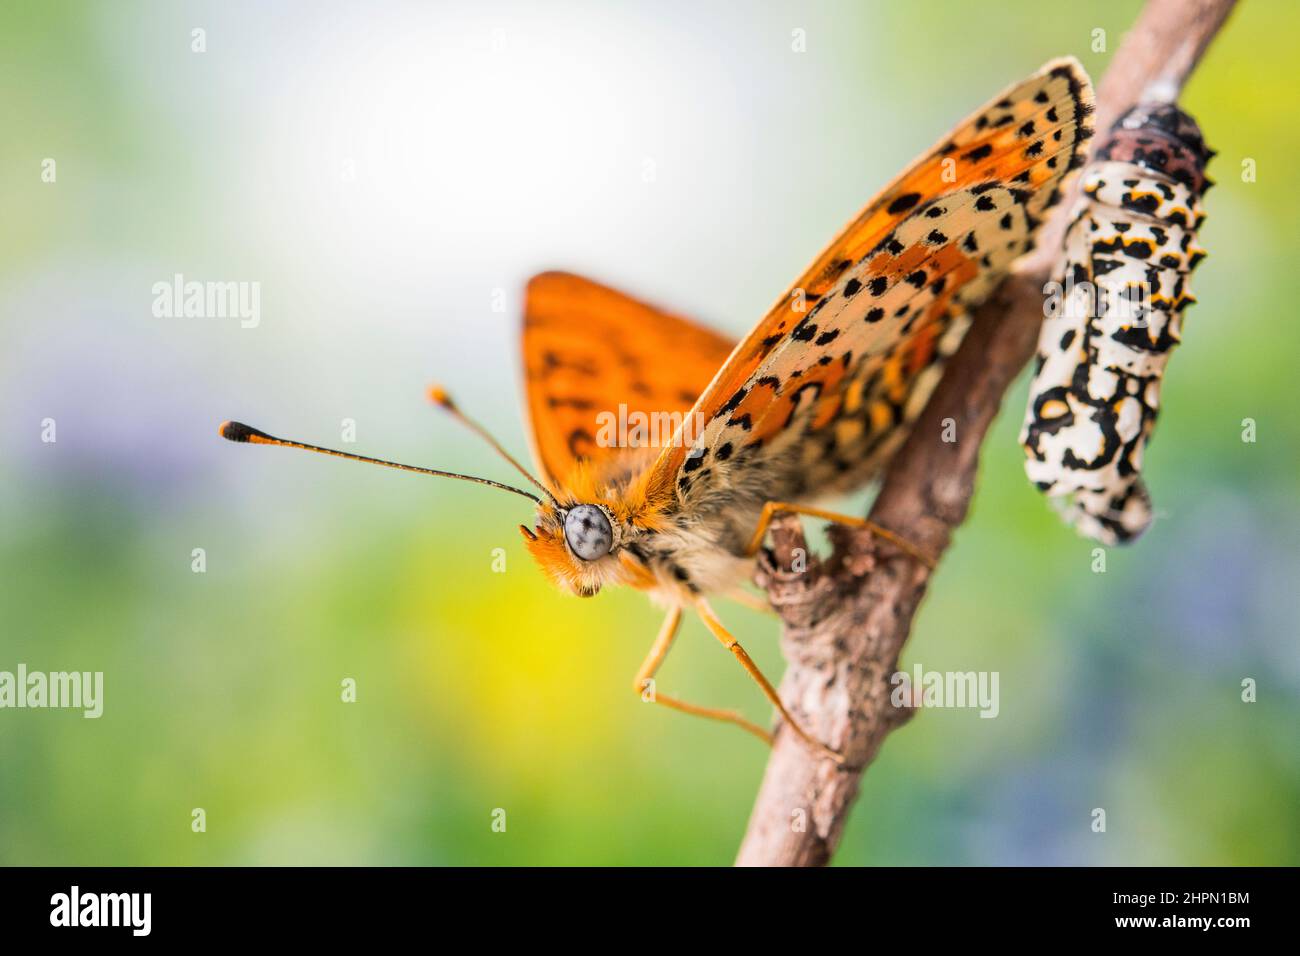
{"x":587,"y":350}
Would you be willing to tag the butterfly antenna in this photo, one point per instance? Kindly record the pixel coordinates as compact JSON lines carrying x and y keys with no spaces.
{"x":238,"y":431}
{"x":438,"y":395}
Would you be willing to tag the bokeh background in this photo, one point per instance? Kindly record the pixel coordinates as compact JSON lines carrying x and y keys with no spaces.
{"x":383,"y":170}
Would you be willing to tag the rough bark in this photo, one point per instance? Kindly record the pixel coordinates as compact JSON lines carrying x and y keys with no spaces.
{"x":846,"y":618}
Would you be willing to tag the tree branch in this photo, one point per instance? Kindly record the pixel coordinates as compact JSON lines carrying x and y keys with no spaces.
{"x":847,"y":618}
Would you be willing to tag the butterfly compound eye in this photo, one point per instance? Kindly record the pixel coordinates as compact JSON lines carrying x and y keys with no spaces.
{"x":588,"y":532}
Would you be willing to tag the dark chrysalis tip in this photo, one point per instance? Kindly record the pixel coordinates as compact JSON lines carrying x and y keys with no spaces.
{"x":1162,"y":138}
{"x":238,"y":431}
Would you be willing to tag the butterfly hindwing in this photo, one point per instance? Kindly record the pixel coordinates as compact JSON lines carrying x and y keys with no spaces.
{"x":825,"y":384}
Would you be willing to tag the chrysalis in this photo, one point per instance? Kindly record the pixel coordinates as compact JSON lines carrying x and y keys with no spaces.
{"x":1102,"y":352}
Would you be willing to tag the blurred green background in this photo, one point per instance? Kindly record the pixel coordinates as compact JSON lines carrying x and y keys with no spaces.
{"x":383,"y":170}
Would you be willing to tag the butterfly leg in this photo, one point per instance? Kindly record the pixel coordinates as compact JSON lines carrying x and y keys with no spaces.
{"x":643,"y":683}
{"x":730,"y":643}
{"x":773,"y":508}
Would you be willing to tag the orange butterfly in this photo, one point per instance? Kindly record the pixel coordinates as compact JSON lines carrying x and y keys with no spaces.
{"x":664,"y":450}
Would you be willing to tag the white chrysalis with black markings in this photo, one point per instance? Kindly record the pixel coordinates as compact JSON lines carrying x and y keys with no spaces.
{"x":1104,"y":346}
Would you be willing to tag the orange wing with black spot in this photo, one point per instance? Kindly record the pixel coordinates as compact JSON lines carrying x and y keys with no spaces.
{"x":825,"y":385}
{"x":588,"y":350}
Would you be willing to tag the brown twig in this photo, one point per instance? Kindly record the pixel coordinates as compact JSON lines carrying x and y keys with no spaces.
{"x":847,"y":618}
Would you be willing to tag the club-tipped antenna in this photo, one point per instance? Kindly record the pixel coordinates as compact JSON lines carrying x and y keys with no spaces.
{"x":438,"y":395}
{"x":238,"y":431}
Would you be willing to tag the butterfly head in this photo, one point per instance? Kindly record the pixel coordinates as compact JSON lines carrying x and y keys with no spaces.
{"x":581,"y":534}
{"x":577,"y":545}
{"x":587,"y":535}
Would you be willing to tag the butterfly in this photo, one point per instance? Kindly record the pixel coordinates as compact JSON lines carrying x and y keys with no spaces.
{"x":663,"y":449}
{"x":1129,"y":250}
